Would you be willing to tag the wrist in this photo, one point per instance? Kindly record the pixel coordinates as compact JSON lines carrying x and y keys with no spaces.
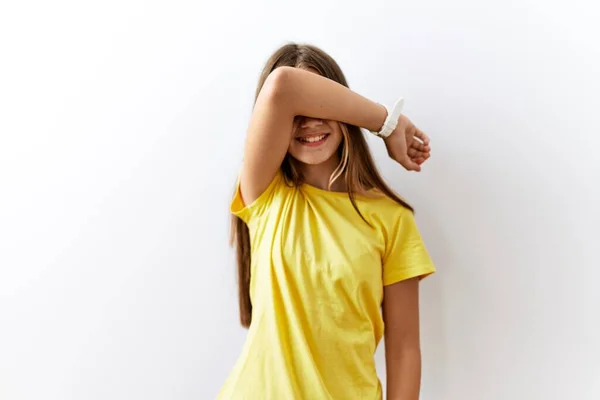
{"x":382,"y":116}
{"x":391,"y":119}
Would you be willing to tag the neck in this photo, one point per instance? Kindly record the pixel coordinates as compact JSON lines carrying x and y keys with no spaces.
{"x":318,"y":175}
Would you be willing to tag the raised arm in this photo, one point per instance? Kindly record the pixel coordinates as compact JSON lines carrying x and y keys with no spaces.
{"x":286,"y":93}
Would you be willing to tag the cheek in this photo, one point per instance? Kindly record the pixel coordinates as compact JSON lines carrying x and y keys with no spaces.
{"x":337,"y":141}
{"x":338,"y":136}
{"x":334,"y":126}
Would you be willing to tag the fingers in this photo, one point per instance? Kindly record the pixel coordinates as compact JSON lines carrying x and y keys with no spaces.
{"x":421,"y":160}
{"x":419,"y":150}
{"x":411,"y":165}
{"x":422,"y":142}
{"x":422,"y":136}
{"x":413,"y":152}
{"x":420,"y":146}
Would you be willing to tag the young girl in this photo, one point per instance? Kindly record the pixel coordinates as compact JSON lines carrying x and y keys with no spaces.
{"x":323,"y":243}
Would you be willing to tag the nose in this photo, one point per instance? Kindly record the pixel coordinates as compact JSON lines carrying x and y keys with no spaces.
{"x":308,"y":122}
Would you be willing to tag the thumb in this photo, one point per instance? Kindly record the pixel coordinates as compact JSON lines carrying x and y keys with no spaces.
{"x":410,"y":165}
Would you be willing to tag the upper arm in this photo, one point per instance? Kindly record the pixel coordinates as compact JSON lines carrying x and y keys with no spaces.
{"x":402,"y":343}
{"x":401,"y":314}
{"x":268,"y":137}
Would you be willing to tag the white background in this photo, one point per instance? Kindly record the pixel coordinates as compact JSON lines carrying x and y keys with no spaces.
{"x":122,"y":125}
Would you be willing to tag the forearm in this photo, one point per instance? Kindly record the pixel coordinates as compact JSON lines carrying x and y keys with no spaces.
{"x":314,"y":96}
{"x":287,"y":93}
{"x":404,"y":375}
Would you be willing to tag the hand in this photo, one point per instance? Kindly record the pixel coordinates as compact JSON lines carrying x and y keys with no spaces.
{"x":408,"y":145}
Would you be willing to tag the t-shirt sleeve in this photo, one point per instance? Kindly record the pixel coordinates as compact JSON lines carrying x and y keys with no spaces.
{"x":258,"y":206}
{"x":405,"y":255}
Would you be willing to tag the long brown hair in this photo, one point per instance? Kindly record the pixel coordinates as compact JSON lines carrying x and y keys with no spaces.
{"x":356,"y":162}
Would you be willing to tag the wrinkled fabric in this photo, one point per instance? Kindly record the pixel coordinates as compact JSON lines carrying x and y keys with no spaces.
{"x":317,"y":276}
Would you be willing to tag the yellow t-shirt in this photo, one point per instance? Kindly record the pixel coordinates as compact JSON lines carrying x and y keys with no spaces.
{"x":317,"y":277}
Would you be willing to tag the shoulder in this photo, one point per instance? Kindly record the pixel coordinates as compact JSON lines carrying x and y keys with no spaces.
{"x":258,"y":207}
{"x":385,"y":214}
{"x":380,"y":204}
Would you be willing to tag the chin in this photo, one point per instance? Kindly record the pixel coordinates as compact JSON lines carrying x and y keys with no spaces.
{"x":312,"y":162}
{"x":312,"y":159}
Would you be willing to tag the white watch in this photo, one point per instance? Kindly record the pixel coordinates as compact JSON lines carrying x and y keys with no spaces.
{"x":391,"y":120}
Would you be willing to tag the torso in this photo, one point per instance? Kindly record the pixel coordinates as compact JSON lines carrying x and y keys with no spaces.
{"x":316,"y":289}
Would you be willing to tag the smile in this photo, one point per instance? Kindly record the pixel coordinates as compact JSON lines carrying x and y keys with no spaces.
{"x":313,"y":140}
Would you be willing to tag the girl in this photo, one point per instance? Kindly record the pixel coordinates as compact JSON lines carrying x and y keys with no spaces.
{"x":322,"y":241}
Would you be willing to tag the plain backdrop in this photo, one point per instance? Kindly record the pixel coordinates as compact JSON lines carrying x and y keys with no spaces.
{"x":122,"y":128}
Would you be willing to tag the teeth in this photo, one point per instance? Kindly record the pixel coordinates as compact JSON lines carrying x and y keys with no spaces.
{"x":313,"y":139}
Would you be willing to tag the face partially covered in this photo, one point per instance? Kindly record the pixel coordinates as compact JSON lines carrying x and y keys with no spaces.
{"x":315,"y":141}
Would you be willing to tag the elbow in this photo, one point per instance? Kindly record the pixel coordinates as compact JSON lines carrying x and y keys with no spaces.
{"x":278,"y":85}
